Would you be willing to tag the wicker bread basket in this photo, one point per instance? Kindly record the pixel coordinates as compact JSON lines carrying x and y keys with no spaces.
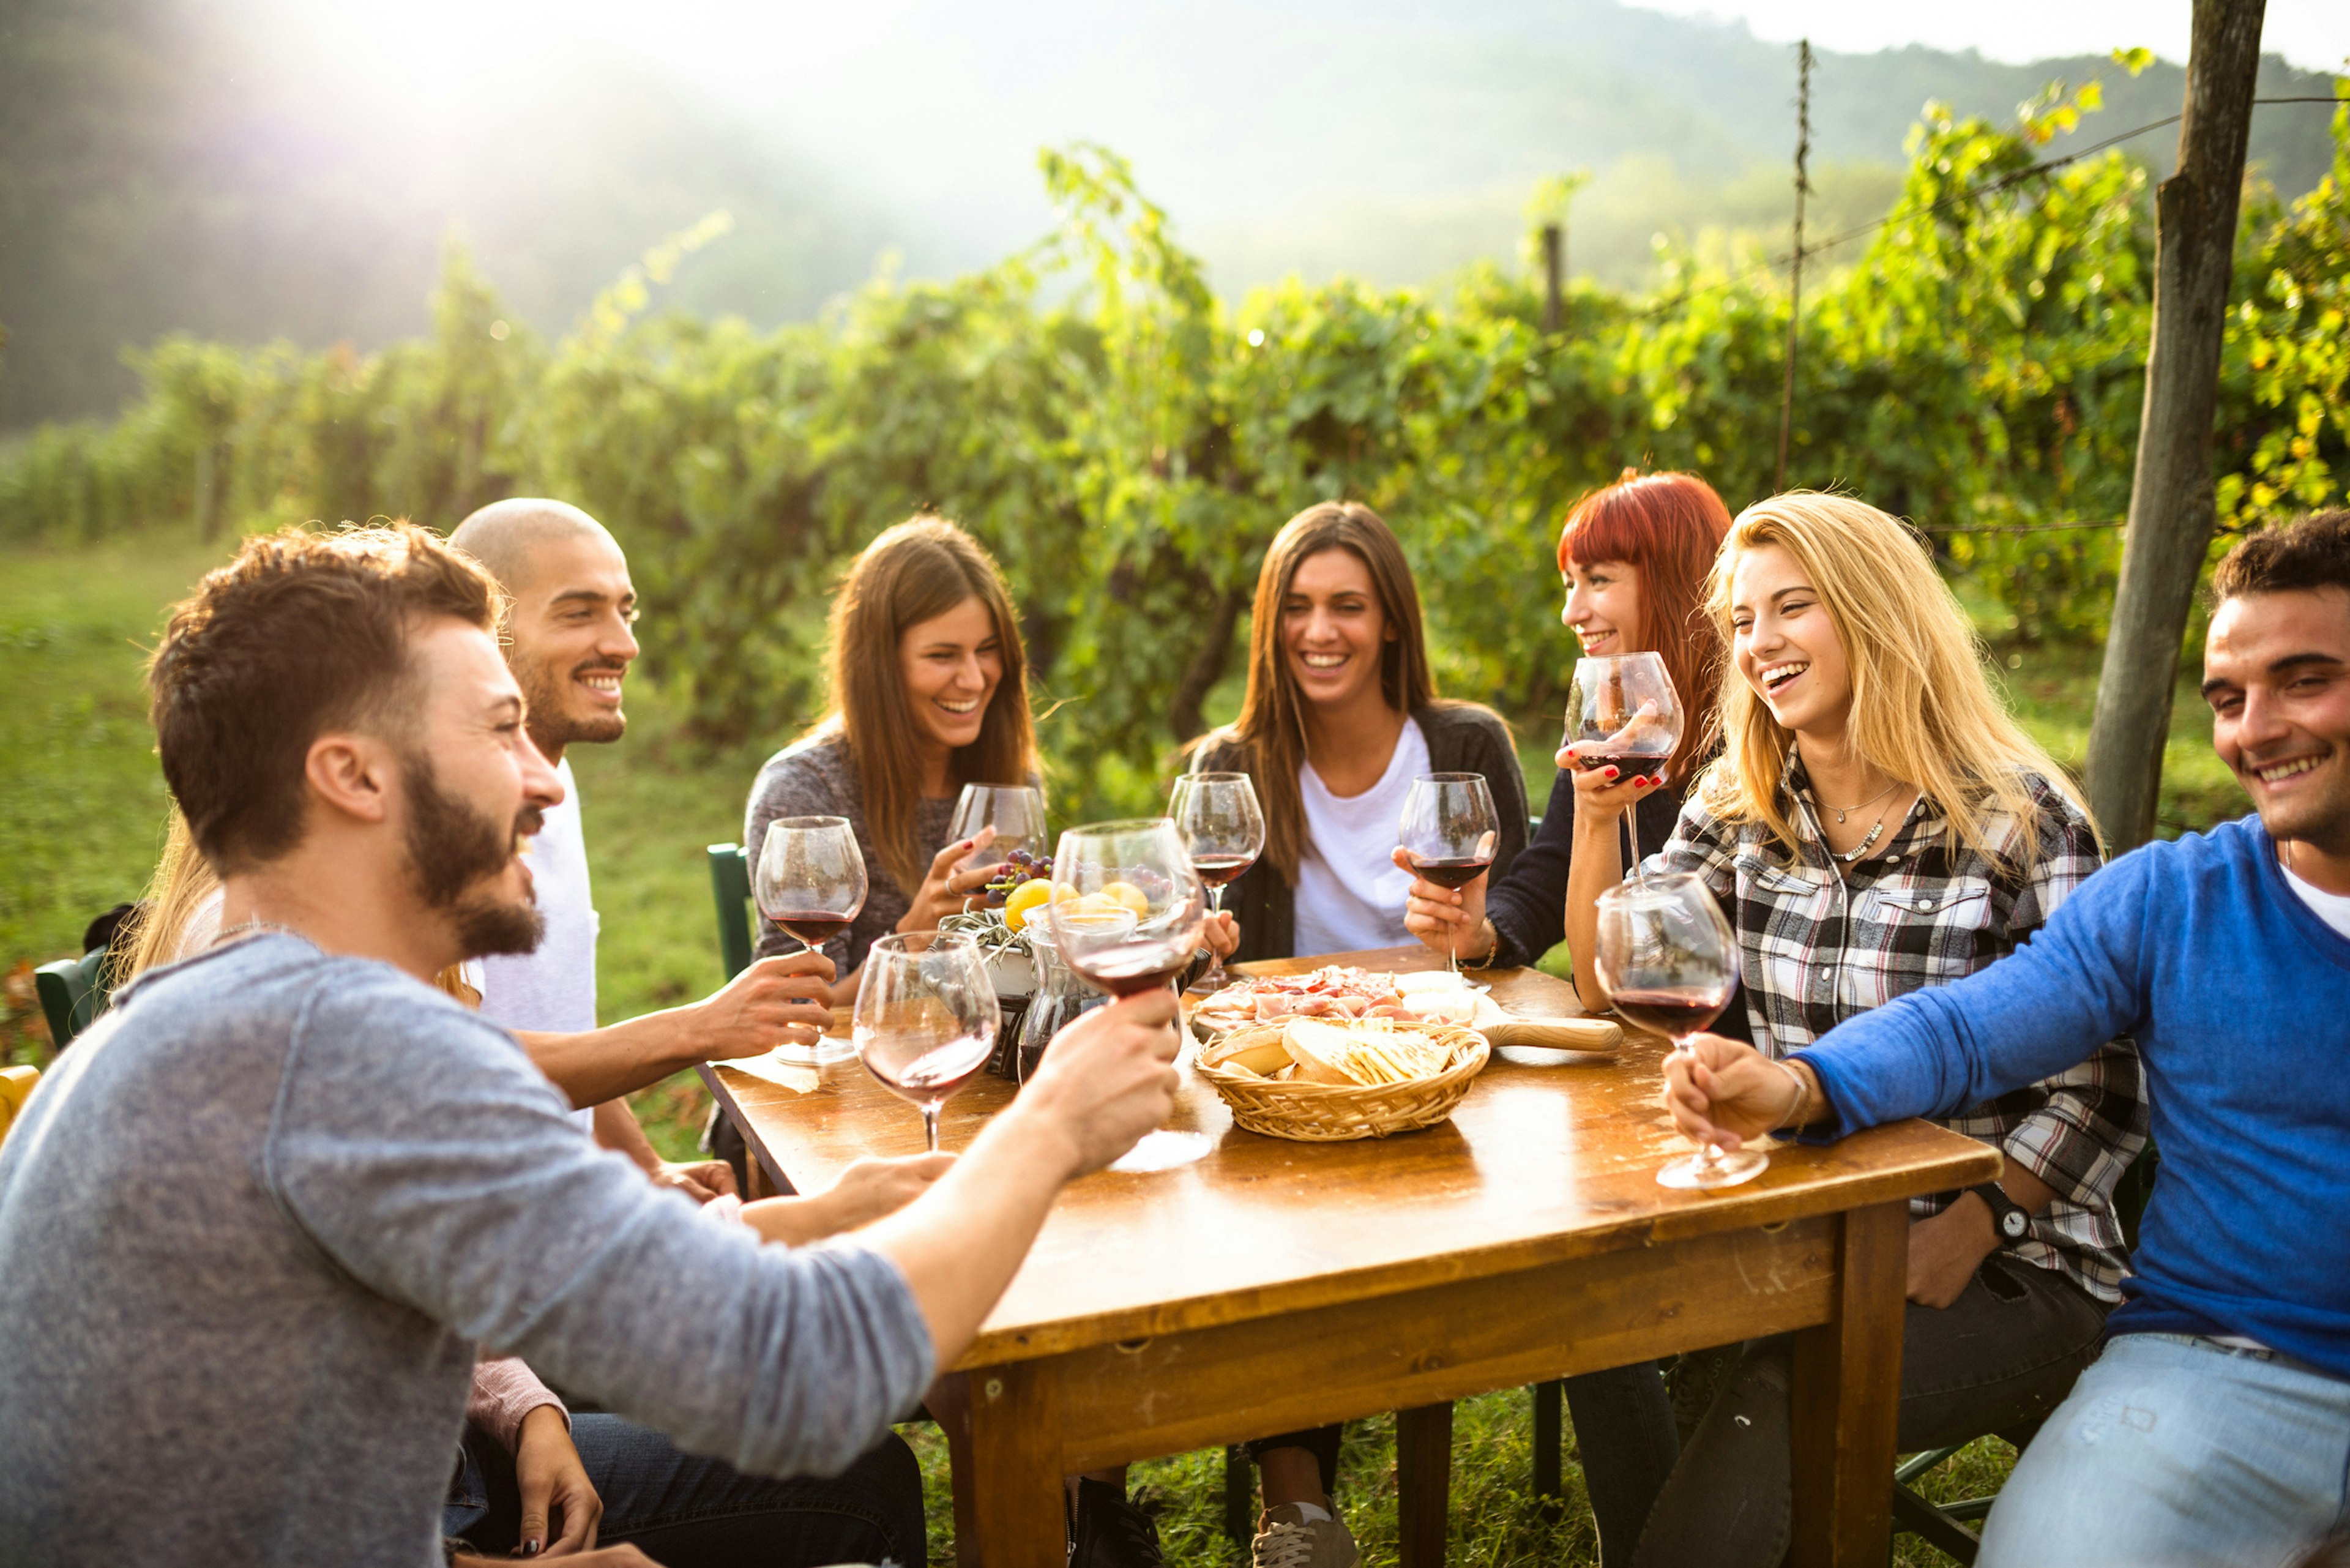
{"x":1334,"y":1113}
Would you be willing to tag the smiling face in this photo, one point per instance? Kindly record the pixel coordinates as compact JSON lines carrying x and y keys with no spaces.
{"x":2276,"y":670}
{"x":1603,"y":606}
{"x":1785,"y":647}
{"x":952,"y":665}
{"x":572,"y":645}
{"x":474,"y":786}
{"x":1333,"y":632}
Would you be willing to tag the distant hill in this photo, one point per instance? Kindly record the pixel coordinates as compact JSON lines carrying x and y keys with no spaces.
{"x":218,"y":166}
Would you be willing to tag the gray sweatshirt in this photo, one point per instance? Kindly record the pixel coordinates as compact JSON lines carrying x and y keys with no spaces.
{"x":254,"y":1224}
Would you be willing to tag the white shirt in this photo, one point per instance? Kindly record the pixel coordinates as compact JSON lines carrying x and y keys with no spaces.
{"x":2334,"y":908}
{"x":1350,"y":895}
{"x":553,"y":990}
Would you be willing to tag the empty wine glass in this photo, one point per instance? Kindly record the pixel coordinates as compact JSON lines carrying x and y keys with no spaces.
{"x":1449,"y":831}
{"x":1670,"y":962}
{"x":1622,"y":711}
{"x":1224,"y":832}
{"x":1016,"y":812}
{"x":1135,"y":923}
{"x":925,"y":1017}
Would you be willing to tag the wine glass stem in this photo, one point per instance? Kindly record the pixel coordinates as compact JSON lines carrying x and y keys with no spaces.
{"x":930,"y":1125}
{"x":1632,"y":836}
{"x":1212,"y":979}
{"x":1709,"y":1153}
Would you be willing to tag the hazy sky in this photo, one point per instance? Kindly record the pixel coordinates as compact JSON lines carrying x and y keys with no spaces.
{"x":2313,"y":34}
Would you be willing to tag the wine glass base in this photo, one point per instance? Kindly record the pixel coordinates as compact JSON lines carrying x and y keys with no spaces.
{"x":1164,"y":1149}
{"x":827,"y":1050}
{"x":1699,"y":1174}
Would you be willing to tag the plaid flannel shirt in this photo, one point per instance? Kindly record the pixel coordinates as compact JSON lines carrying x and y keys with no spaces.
{"x":1817,"y":948}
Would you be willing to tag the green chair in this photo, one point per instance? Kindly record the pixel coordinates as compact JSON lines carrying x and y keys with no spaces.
{"x":73,"y":992}
{"x":730,"y":890}
{"x":1943,"y":1526}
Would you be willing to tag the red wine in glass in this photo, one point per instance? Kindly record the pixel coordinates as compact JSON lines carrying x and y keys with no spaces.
{"x":1676,"y":1013}
{"x":1453,"y":871}
{"x":926,"y":1018}
{"x":1129,"y":969}
{"x":1646,"y":765}
{"x":814,"y":928}
{"x":1219,"y":871}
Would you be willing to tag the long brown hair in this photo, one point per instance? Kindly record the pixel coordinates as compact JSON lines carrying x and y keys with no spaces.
{"x":1272,"y":721}
{"x":1669,"y":527}
{"x":921,"y":568}
{"x":1923,"y":709}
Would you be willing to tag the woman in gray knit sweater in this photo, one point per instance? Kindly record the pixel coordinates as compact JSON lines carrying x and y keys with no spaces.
{"x":928,"y":692}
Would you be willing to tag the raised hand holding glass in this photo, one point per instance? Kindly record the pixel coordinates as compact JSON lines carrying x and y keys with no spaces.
{"x":1623,"y":712}
{"x":1450,"y":831}
{"x":1224,"y":832}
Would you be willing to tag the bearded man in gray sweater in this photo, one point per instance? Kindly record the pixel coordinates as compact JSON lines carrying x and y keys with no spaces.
{"x":258,"y":1224}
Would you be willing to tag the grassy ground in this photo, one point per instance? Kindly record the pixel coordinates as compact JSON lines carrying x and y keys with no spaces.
{"x":82,"y":806}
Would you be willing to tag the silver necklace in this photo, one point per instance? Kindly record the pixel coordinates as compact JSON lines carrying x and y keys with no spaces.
{"x":1842,"y":810}
{"x":1876,"y":832}
{"x":255,"y":927}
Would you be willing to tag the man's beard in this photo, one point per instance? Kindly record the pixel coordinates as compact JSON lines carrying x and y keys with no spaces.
{"x":552,"y":723}
{"x":452,"y":850}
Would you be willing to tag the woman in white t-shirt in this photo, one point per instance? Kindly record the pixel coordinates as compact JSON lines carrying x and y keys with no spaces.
{"x":1341,"y":715}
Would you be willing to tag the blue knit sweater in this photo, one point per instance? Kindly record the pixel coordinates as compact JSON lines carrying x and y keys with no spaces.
{"x":2237,"y":995}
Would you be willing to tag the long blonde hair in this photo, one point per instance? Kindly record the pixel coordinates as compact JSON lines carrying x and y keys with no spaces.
{"x":921,"y":568}
{"x":157,"y":926}
{"x":1922,"y":706}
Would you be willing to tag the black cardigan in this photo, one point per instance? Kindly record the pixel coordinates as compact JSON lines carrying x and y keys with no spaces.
{"x":1462,"y":738}
{"x":1528,"y":904}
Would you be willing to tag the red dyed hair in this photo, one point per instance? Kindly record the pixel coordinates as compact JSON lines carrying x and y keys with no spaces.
{"x":1668,"y":527}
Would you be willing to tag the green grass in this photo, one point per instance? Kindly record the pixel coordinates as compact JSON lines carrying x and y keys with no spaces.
{"x":81,"y":807}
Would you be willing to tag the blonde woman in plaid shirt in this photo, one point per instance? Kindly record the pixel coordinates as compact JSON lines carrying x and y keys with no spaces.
{"x":1878,"y":824}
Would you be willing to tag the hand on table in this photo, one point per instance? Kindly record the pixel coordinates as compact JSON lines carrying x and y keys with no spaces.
{"x":866,"y":1191}
{"x":783,"y":999}
{"x":1724,"y":1092}
{"x":1450,"y":920}
{"x":957,"y":873}
{"x":1946,"y":1248}
{"x":700,"y":1179}
{"x":1108,"y":1079}
{"x":554,"y":1486}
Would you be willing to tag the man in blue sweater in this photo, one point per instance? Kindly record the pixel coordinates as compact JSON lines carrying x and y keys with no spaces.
{"x":2215,"y":1428}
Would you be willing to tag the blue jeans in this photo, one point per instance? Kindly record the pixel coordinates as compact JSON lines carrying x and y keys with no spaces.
{"x":685,"y":1511}
{"x":2174,"y":1452}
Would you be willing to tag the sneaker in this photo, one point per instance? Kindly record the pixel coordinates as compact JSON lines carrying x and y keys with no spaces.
{"x":1109,"y":1532}
{"x":1286,"y":1539}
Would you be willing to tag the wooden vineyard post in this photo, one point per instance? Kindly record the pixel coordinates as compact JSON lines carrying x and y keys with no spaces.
{"x":2172,"y":509}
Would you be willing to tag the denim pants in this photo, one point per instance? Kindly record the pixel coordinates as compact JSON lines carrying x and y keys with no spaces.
{"x":2000,"y":1357}
{"x":685,"y":1511}
{"x":2173,"y":1451}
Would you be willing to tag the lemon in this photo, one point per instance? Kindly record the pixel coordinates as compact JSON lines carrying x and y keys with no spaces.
{"x":1127,"y":894}
{"x":1030,"y":895}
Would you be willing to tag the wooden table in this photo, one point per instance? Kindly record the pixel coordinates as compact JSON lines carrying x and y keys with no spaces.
{"x":1276,"y":1285}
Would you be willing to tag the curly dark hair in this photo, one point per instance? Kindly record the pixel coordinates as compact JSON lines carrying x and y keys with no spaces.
{"x":301,"y":633}
{"x":2311,"y":552}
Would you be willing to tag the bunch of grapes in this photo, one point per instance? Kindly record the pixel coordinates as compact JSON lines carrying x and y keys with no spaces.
{"x":1020,"y":866}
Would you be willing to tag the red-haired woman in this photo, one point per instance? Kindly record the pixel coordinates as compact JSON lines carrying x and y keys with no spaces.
{"x":1634,"y":558}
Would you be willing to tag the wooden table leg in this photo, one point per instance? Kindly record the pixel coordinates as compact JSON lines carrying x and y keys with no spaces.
{"x":1423,"y":1484}
{"x":1847,"y":1399}
{"x":1015,"y":1468}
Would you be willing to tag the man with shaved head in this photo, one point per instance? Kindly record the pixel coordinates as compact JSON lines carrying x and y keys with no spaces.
{"x":569,"y":645}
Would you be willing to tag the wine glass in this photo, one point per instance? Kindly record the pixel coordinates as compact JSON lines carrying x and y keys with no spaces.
{"x":810,"y":881}
{"x":1671,"y":965}
{"x":1623,"y":712}
{"x":925,"y":1017}
{"x":1135,"y":923}
{"x":1448,"y":830}
{"x":1016,"y":812}
{"x":1223,"y":832}
{"x":811,"y":878}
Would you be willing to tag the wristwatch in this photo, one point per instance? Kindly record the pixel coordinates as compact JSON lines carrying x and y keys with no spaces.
{"x":2007,"y":1216}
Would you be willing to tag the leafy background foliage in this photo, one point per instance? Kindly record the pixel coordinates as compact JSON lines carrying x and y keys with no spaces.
{"x":1126,"y":442}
